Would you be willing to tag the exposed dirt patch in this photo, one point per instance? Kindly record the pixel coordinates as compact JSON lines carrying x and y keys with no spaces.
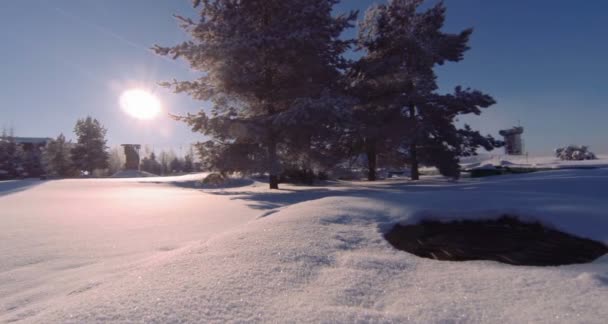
{"x":506,"y":240}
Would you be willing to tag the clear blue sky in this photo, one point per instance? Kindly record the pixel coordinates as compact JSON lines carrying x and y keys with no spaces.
{"x":544,"y":61}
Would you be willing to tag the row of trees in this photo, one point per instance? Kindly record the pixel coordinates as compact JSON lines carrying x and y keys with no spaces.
{"x":15,"y":161}
{"x":58,"y":157}
{"x":62,"y":158}
{"x":285,"y":96}
{"x":168,"y":163}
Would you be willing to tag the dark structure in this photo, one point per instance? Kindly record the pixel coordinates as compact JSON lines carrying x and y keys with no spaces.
{"x":132,"y":155}
{"x":507,"y":240}
{"x":32,"y":143}
{"x":513,"y":142}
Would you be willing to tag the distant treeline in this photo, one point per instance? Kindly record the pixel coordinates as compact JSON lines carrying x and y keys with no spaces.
{"x":88,"y":156}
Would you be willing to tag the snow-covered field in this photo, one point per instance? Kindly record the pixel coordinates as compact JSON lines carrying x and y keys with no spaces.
{"x":540,"y":162}
{"x":123,"y":250}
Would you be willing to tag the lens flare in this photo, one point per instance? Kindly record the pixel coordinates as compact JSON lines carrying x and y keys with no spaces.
{"x":140,"y":104}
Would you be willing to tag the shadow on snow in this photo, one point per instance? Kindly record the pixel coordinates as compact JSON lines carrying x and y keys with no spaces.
{"x":14,"y":186}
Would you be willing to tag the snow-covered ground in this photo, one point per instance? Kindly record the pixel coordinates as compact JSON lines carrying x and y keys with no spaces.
{"x":123,"y":250}
{"x":540,"y":162}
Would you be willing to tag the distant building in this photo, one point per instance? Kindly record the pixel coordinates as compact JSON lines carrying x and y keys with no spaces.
{"x":513,"y":141}
{"x":132,"y":156}
{"x":29,"y":144}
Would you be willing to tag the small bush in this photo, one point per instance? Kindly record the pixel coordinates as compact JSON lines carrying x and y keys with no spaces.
{"x":574,"y":153}
{"x":302,"y":176}
{"x":348,"y":174}
{"x":214,"y":179}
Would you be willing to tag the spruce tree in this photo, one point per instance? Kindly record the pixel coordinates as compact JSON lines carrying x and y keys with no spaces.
{"x":11,"y":156}
{"x":176,"y":165}
{"x":149,"y":164}
{"x":403,"y":44}
{"x":56,"y":158}
{"x":164,"y":160}
{"x":263,"y":64}
{"x":188,"y":163}
{"x":90,"y":151}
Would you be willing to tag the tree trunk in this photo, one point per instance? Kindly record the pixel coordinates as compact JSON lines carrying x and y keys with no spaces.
{"x":273,"y":182}
{"x":273,"y":168}
{"x":415,"y":173}
{"x":273,"y":165}
{"x":371,"y":161}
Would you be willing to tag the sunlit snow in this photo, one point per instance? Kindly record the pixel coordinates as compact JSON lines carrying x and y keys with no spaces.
{"x":124,"y":250}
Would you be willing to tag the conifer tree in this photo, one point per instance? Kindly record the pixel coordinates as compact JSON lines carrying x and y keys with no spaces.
{"x":164,"y":160}
{"x":396,"y":81}
{"x":149,"y":164}
{"x":264,"y":63}
{"x":176,"y":165}
{"x":188,"y":163}
{"x":90,"y":151}
{"x":56,"y":157}
{"x":11,"y":156}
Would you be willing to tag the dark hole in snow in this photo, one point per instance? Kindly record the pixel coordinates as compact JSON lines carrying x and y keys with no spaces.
{"x":506,"y":240}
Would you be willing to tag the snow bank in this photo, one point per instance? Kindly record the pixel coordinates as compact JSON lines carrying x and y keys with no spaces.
{"x":133,"y":174}
{"x":317,"y":254}
{"x":60,"y":239}
{"x":540,"y":162}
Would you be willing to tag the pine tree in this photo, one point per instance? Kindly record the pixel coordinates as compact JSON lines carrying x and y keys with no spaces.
{"x":176,"y":165}
{"x":188,"y":162}
{"x":32,"y":161}
{"x":149,"y":164}
{"x":264,"y":62}
{"x":90,"y":151}
{"x":56,"y":158}
{"x":403,"y":44}
{"x":164,"y":160}
{"x":11,"y":156}
{"x":440,"y":142}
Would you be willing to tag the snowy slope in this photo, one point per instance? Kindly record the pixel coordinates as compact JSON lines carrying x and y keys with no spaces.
{"x":541,"y":162}
{"x":60,"y":238}
{"x":304,"y":254}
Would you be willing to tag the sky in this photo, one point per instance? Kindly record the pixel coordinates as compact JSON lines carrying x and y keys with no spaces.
{"x":544,"y":62}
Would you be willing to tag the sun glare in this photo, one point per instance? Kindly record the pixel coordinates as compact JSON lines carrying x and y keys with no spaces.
{"x":140,"y":104}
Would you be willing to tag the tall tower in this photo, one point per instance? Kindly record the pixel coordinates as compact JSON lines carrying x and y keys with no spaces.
{"x":513,"y":142}
{"x":132,"y":155}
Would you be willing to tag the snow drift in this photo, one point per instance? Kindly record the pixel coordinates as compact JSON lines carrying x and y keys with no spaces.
{"x":302,"y":254}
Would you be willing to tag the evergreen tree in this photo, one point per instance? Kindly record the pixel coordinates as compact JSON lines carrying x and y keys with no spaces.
{"x":90,"y":151}
{"x":176,"y":165}
{"x":164,"y":160}
{"x":149,"y":164}
{"x":11,"y":156}
{"x":188,"y":163}
{"x":440,"y":142}
{"x":403,"y":44}
{"x":264,"y":63}
{"x":56,"y":158}
{"x":31,"y":160}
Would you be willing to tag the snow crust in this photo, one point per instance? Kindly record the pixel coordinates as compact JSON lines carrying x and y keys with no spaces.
{"x":127,"y":251}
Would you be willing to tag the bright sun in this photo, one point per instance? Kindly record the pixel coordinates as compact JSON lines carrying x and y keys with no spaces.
{"x":140,"y":104}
